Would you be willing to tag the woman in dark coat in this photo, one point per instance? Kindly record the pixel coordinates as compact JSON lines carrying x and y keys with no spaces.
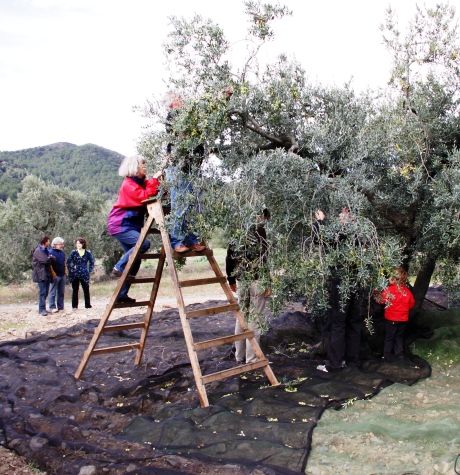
{"x":41,"y":274}
{"x":80,"y":264}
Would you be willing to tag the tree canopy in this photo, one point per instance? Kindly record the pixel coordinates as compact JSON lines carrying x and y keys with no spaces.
{"x":275,"y":139}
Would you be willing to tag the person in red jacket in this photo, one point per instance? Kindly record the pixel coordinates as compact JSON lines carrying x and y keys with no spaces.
{"x":127,"y":216}
{"x":398,"y":300}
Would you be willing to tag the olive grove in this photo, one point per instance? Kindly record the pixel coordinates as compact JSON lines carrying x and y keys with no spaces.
{"x":274,"y":139}
{"x":47,"y":209}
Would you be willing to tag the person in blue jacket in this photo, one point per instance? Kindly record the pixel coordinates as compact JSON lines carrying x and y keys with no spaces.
{"x":58,"y":270}
{"x":80,"y":264}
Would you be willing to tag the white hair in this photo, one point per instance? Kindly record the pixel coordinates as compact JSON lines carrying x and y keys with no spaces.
{"x":130,"y":165}
{"x":57,"y":240}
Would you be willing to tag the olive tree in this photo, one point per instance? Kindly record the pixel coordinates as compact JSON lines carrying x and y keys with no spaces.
{"x":46,"y":209}
{"x":274,"y":139}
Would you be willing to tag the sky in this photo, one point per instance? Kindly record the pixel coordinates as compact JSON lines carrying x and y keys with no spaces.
{"x":72,"y":70}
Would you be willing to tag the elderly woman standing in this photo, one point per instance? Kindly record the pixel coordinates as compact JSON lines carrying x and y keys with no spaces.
{"x":80,"y":264}
{"x":58,"y":269}
{"x":127,"y":216}
{"x":42,"y":260}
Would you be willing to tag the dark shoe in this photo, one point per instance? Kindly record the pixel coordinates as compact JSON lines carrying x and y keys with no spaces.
{"x":115,"y":274}
{"x":125,"y":299}
{"x":44,"y":314}
{"x":197,"y":247}
{"x":181,"y":248}
{"x":89,"y":306}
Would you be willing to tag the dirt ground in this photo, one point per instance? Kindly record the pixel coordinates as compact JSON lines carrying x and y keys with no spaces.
{"x":402,"y":430}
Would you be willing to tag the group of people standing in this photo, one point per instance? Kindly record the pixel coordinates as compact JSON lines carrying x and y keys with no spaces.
{"x":51,"y":269}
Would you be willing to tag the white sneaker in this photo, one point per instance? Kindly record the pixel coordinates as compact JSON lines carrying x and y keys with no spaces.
{"x":322,"y":367}
{"x":54,"y":310}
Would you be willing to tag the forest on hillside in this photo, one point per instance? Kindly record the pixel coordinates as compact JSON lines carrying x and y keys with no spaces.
{"x":82,"y":168}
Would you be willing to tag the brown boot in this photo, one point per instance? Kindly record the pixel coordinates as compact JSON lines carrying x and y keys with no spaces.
{"x":181,"y":248}
{"x":197,"y":247}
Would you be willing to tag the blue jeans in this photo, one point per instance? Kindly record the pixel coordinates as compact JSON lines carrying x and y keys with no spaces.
{"x":43,"y":289}
{"x":179,"y":208}
{"x":128,"y":240}
{"x":57,"y":290}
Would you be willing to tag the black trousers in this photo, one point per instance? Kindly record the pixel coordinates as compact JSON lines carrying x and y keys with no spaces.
{"x":394,"y":339}
{"x":345,"y":325}
{"x":85,"y":287}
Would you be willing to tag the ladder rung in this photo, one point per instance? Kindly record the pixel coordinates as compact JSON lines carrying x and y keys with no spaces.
{"x":228,"y":373}
{"x":211,"y":280}
{"x":149,"y":255}
{"x":126,"y":326}
{"x":223,"y":340}
{"x":150,"y":200}
{"x":131,"y":304}
{"x":206,"y":252}
{"x":114,"y":349}
{"x":213,"y":310}
{"x":140,"y":280}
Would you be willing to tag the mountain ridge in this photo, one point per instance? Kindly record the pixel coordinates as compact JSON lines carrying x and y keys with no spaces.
{"x":86,"y":168}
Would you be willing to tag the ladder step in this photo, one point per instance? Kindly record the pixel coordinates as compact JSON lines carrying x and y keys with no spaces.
{"x":213,"y":310}
{"x":126,"y":326}
{"x":203,"y":345}
{"x":206,"y":252}
{"x":211,"y":280}
{"x":114,"y":349}
{"x":131,"y":304}
{"x":140,"y":280}
{"x":228,"y":373}
{"x":149,"y":255}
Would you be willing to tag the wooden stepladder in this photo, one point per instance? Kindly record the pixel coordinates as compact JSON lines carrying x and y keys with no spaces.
{"x":155,"y":224}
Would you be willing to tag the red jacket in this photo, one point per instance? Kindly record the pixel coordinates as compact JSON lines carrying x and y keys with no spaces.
{"x":398,"y":300}
{"x":128,"y":212}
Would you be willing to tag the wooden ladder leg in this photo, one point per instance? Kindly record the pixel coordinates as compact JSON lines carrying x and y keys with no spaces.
{"x":239,"y":315}
{"x":153,"y":297}
{"x":93,"y":342}
{"x":159,"y":218}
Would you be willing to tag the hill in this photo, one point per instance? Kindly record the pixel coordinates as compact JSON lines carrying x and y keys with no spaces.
{"x":84,"y":168}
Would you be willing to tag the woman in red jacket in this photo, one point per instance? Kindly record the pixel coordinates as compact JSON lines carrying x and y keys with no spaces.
{"x":398,"y":300}
{"x":127,"y":216}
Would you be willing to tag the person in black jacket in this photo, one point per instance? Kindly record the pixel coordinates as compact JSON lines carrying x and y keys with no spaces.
{"x":249,"y":261}
{"x":345,"y":319}
{"x":41,"y":274}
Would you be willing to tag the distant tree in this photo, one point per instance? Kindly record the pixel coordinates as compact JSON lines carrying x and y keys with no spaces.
{"x":275,"y":140}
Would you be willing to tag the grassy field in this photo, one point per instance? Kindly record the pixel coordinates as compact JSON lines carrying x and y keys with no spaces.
{"x":196,"y":267}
